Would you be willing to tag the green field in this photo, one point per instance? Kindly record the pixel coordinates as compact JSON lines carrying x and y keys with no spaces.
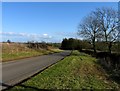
{"x":77,"y":71}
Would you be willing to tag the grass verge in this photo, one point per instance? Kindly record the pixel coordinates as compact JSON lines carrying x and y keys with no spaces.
{"x":17,"y":51}
{"x":78,"y":71}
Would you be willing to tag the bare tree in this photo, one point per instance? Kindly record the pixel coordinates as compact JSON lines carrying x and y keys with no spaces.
{"x":89,"y":29}
{"x":109,"y":20}
{"x":102,"y":24}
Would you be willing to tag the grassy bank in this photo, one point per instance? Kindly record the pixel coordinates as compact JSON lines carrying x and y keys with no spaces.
{"x":14,"y":51}
{"x":78,"y":71}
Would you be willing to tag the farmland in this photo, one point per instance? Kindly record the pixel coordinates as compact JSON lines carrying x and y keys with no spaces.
{"x":12,"y":51}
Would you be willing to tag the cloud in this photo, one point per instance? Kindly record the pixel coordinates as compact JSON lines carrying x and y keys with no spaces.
{"x":22,"y":34}
{"x":67,"y":34}
{"x":45,"y":34}
{"x":7,"y":33}
{"x":58,"y":36}
{"x":27,"y":35}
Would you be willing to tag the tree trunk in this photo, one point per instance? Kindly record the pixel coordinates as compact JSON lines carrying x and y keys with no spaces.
{"x":109,"y":47}
{"x":106,"y":37}
{"x":106,"y":40}
{"x":94,"y":47}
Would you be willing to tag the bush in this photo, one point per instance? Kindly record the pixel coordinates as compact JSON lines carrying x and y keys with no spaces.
{"x":70,"y":44}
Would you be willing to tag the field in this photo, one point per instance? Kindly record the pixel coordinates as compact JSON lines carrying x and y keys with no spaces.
{"x":77,"y":71}
{"x":12,"y":51}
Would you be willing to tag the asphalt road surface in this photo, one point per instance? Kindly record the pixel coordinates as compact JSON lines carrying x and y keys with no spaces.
{"x":15,"y":71}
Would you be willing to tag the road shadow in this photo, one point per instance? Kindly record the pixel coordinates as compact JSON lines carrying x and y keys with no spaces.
{"x":32,"y":88}
{"x":5,"y":85}
{"x":27,"y":88}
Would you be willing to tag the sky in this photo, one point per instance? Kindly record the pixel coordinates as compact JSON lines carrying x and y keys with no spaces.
{"x":45,"y":21}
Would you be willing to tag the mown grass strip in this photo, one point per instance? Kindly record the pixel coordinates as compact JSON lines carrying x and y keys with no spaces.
{"x":78,"y":71}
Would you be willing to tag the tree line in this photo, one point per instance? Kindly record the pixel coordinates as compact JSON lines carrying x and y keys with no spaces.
{"x":77,"y":44}
{"x":101,"y":25}
{"x":71,"y":44}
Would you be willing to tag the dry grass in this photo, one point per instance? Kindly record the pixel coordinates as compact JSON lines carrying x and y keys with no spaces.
{"x":14,"y":51}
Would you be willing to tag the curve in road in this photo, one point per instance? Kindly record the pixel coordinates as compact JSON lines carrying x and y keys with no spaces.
{"x":15,"y":71}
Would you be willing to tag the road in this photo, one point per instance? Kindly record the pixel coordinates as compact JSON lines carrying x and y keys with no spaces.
{"x":15,"y":71}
